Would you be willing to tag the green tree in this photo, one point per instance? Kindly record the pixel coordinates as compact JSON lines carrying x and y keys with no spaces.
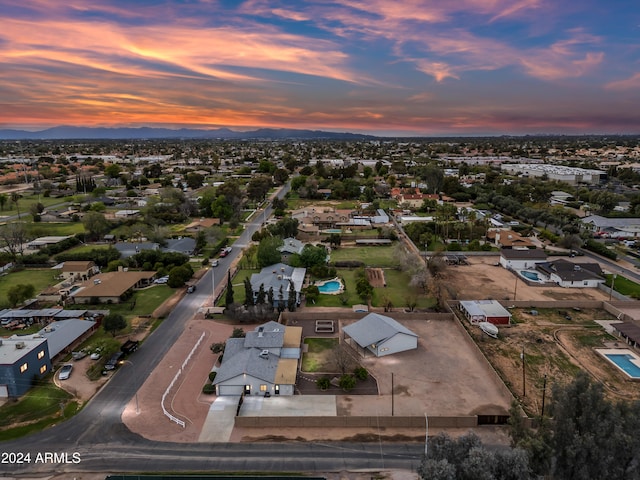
{"x":17,"y":294}
{"x":347,"y":382}
{"x":248,"y":293}
{"x":113,"y":171}
{"x":229,"y":292}
{"x":262,"y":295}
{"x":179,"y":275}
{"x":4,"y":198}
{"x":95,"y":224}
{"x":292,"y":297}
{"x":113,"y":323}
{"x":268,"y":253}
{"x":312,"y":293}
{"x":312,"y":255}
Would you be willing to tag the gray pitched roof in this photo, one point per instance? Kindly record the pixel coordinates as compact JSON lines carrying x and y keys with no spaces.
{"x":249,"y":361}
{"x":278,"y":275}
{"x":291,"y":245}
{"x":269,"y":335}
{"x":63,"y":333}
{"x":184,"y":245}
{"x":375,"y":328}
{"x":569,"y":271}
{"x":528,"y":254}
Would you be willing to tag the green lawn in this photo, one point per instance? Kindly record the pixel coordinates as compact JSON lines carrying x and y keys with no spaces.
{"x":238,"y":286}
{"x":143,"y":302}
{"x":40,"y":278}
{"x":40,"y":405}
{"x":88,"y":247}
{"x":24,"y":204}
{"x":397,"y":291}
{"x":318,"y":355}
{"x":371,"y":256}
{"x":624,"y":286}
{"x":44,"y":229}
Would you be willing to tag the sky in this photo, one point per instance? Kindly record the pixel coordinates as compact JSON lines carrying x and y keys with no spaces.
{"x":383,"y":67}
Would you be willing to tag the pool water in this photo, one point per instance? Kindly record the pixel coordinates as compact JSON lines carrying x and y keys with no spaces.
{"x":332,"y":286}
{"x":333,"y":230}
{"x":530,"y":275}
{"x":624,"y":363}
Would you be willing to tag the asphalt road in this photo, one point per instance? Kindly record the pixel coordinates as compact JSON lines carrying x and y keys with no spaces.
{"x":96,"y":440}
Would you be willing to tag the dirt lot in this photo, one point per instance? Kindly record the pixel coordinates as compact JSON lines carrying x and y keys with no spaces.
{"x":482,"y":279}
{"x":376,"y":277}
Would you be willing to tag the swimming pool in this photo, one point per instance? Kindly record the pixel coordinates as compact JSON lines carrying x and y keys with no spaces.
{"x":625,"y":360}
{"x":330,"y":287}
{"x":333,"y":230}
{"x":529,"y":275}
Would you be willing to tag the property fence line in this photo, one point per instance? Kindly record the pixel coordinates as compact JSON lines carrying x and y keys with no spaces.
{"x":175,"y":378}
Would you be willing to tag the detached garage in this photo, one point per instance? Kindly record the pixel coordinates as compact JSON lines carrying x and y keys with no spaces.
{"x":490,"y":311}
{"x":380,"y":335}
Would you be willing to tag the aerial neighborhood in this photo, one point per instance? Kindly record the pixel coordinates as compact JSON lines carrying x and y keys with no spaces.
{"x":325,"y":289}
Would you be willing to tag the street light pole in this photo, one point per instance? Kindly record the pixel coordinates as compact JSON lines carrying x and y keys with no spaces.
{"x":613,"y":282}
{"x":524,"y":384}
{"x":213,"y":285}
{"x":426,"y":435}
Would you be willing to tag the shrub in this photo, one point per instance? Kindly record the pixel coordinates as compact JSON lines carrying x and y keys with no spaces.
{"x":212,"y":376}
{"x":361,"y":373}
{"x":217,"y":347}
{"x":347,"y":382}
{"x":208,"y":389}
{"x":323,"y":383}
{"x":348,"y":264}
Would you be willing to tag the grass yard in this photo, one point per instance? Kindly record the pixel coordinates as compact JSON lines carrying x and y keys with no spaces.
{"x":624,"y":286}
{"x":40,"y":278}
{"x":238,"y":286}
{"x":45,"y":229}
{"x":318,"y":357}
{"x":143,"y":302}
{"x":36,"y":410}
{"x":397,"y":291}
{"x":371,"y":256}
{"x":25,"y":202}
{"x":88,"y":247}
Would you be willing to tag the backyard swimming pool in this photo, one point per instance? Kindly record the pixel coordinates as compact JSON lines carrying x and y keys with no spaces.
{"x":625,"y":360}
{"x":530,"y":275}
{"x":333,"y":230}
{"x":330,"y":287}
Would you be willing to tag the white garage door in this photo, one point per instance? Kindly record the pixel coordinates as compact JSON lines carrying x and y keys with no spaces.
{"x":230,"y":389}
{"x":4,"y":391}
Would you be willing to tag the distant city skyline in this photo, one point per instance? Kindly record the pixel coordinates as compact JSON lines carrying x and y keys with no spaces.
{"x":380,"y":67}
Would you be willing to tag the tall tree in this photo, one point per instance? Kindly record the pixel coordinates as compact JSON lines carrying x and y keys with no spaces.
{"x":113,"y":323}
{"x":229,"y":292}
{"x":248,"y":293}
{"x":4,"y":198}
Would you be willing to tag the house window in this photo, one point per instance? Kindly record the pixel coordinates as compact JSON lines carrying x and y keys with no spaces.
{"x":43,"y":369}
{"x":23,"y":368}
{"x":263,"y":388}
{"x":40,"y":354}
{"x":585,"y":283}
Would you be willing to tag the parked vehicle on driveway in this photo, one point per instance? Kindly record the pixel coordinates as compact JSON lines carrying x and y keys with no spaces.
{"x":65,"y":371}
{"x":114,"y":361}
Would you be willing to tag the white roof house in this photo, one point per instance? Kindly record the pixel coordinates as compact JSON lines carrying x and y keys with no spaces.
{"x":265,"y":361}
{"x":380,"y":335}
{"x":491,"y":311}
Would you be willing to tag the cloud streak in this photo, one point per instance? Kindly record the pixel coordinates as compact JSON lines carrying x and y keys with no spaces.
{"x":414,"y":66}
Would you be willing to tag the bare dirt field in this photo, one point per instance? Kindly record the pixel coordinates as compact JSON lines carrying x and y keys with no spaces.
{"x":556,"y":347}
{"x":376,"y":277}
{"x":482,"y":279}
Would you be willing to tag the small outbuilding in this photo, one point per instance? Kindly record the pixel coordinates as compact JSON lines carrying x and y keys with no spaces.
{"x":491,"y":311}
{"x":380,"y":335}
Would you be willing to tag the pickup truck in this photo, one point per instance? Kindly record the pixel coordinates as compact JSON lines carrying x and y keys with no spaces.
{"x":129,"y":346}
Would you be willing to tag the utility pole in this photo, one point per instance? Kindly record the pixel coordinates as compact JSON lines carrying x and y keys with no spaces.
{"x":544,"y":391}
{"x":524,"y":385}
{"x":515,"y":288}
{"x":392,"y":399}
{"x":613,"y":282}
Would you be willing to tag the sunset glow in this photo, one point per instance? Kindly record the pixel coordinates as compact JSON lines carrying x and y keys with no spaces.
{"x":409,"y":67}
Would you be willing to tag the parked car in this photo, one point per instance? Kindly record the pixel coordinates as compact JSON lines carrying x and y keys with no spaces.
{"x":114,"y":362}
{"x":161,"y":280}
{"x":78,"y":355}
{"x":65,"y":371}
{"x":225,"y":251}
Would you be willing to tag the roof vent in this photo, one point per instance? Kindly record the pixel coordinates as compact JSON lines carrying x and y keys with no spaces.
{"x":282,"y":269}
{"x":264,"y":354}
{"x":20,"y":345}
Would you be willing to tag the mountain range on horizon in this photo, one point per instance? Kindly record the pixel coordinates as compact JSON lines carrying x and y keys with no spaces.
{"x":153,"y":133}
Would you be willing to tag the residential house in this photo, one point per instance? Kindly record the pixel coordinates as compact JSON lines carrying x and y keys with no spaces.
{"x":23,"y":361}
{"x":78,"y":271}
{"x":291,"y":246}
{"x":129,"y":249}
{"x":201,"y":224}
{"x":265,"y":362}
{"x":111,"y":287}
{"x":380,"y":335}
{"x":185,"y":245}
{"x":515,"y":259}
{"x":64,"y":335}
{"x":491,"y":311}
{"x":504,"y":238}
{"x":283,"y":279}
{"x":630,"y":331}
{"x":569,"y":274}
